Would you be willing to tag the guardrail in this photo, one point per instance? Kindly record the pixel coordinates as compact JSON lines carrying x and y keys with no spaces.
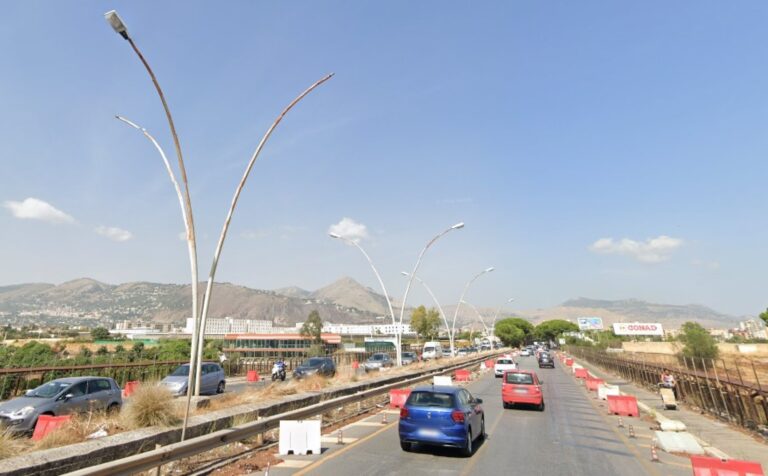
{"x":724,"y":394}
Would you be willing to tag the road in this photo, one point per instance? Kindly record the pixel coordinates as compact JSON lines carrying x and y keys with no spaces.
{"x":573,"y":436}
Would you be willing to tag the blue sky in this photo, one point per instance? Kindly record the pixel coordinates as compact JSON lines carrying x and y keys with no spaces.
{"x":599,"y":149}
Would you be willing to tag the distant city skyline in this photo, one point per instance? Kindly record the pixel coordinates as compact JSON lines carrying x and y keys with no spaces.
{"x":591,"y":149}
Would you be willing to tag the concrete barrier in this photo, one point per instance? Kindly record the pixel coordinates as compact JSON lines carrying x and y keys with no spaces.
{"x":299,"y":437}
{"x":603,"y":390}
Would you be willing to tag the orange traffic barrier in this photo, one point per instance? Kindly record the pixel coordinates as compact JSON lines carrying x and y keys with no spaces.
{"x":48,"y":423}
{"x":569,"y":362}
{"x":489,"y":363}
{"x":592,"y":383}
{"x":624,"y":405}
{"x":581,"y":373}
{"x":461,"y":375}
{"x":706,"y":466}
{"x":130,"y":387}
{"x":252,"y":376}
{"x":355,"y":364}
{"x":398,"y":397}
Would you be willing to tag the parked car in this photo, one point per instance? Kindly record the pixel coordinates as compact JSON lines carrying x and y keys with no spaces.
{"x":409,"y":358}
{"x":60,"y":397}
{"x":441,"y":416}
{"x":432,"y":350}
{"x":378,"y":361}
{"x":546,"y":360}
{"x":463,"y":352}
{"x":316,"y":366}
{"x":502,"y":365}
{"x":522,"y":386}
{"x":212,"y":379}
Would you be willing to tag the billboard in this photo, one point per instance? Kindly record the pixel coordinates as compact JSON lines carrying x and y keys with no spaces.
{"x":590,"y":323}
{"x":638,"y":329}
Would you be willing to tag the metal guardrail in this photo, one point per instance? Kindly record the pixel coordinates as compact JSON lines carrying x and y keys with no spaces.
{"x":725,"y":395}
{"x":154,"y":458}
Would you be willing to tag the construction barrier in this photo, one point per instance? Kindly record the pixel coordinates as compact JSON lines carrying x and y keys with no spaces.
{"x":623,"y":405}
{"x":252,"y":376}
{"x":594,"y":383}
{"x":568,"y":361}
{"x":581,"y":373}
{"x":490,"y":363}
{"x":603,"y":390}
{"x":706,"y":466}
{"x":48,"y":423}
{"x":461,"y":375}
{"x":355,"y":364}
{"x":398,"y":397}
{"x":130,"y":387}
{"x":299,"y":437}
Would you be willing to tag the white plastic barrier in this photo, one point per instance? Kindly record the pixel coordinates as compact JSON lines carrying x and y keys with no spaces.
{"x":603,"y":390}
{"x":576,"y":366}
{"x":442,"y":380}
{"x":299,"y":437}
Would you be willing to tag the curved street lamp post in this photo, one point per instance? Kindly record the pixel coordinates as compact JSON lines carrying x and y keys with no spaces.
{"x":439,"y":307}
{"x":461,"y":299}
{"x":496,"y":315}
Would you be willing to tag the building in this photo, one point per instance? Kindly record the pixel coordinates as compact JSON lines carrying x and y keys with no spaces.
{"x":274,"y":345}
{"x":365,"y":329}
{"x":753,"y":329}
{"x":229,"y":325}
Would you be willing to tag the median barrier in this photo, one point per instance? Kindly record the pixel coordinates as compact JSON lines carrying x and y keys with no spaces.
{"x":568,"y":361}
{"x":130,"y":387}
{"x":252,"y":376}
{"x":299,"y":437}
{"x":623,"y":405}
{"x":594,"y":383}
{"x":47,"y":424}
{"x":580,"y":372}
{"x":398,"y":397}
{"x":706,"y":466}
{"x":461,"y":375}
{"x":604,"y":390}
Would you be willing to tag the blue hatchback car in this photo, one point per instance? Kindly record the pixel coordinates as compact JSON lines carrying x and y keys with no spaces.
{"x":441,"y":416}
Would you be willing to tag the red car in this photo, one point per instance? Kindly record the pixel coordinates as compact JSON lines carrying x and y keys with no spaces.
{"x":521,"y":386}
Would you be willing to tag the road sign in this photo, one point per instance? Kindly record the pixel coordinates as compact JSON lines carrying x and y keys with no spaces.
{"x":638,"y":329}
{"x":590,"y":323}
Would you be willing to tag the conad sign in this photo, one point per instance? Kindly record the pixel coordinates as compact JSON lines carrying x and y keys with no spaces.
{"x":638,"y":329}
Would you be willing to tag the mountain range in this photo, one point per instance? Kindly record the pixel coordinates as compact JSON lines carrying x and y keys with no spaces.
{"x":87,"y":302}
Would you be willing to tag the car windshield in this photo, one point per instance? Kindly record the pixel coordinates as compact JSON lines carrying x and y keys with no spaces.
{"x":377,"y":357}
{"x":430,"y":399}
{"x":520,"y":379}
{"x":429,"y":349}
{"x":314,"y":362}
{"x":504,"y":361}
{"x":49,"y":389}
{"x":182,"y":371}
{"x":408,"y":355}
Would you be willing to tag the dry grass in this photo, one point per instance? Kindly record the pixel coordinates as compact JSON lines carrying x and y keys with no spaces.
{"x":11,"y":444}
{"x":150,"y":405}
{"x":78,"y":428}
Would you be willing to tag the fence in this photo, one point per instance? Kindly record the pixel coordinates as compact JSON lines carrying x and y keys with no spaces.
{"x":707,"y":384}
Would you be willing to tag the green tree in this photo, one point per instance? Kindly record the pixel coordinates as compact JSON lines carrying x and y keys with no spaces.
{"x":551,"y":330}
{"x":521,"y":324}
{"x":426,"y":323}
{"x":313,"y":327}
{"x":509,"y":333}
{"x":764,"y":316}
{"x":697,"y":341}
{"x":100,"y":333}
{"x":102,"y":351}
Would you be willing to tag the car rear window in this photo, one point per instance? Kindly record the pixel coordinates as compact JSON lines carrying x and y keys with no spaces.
{"x":504,"y":361}
{"x":519,"y":379}
{"x":430,"y":399}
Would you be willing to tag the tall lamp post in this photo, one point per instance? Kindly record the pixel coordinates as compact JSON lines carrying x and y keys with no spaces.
{"x":496,"y":315}
{"x":370,"y":262}
{"x":479,"y":316}
{"x":399,"y":329}
{"x":461,"y":299}
{"x":439,"y":307}
{"x":119,"y":26}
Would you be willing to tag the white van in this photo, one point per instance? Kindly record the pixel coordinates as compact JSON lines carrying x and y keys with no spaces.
{"x":432,"y":350}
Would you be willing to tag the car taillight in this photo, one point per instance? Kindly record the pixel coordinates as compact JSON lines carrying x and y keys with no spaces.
{"x":536,"y":389}
{"x":403,"y":412}
{"x":457,"y":416}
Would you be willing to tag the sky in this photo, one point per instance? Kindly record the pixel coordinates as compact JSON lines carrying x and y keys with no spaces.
{"x":600,"y":149}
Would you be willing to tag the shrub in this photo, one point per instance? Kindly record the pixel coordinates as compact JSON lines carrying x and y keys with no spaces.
{"x":11,"y":444}
{"x":150,"y":405}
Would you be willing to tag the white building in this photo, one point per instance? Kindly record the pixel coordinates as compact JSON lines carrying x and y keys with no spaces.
{"x":754,"y":329}
{"x":229,"y":325}
{"x":364,"y":329}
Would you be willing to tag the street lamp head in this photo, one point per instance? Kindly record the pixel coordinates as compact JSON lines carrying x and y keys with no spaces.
{"x":117,"y":23}
{"x":334,"y":235}
{"x":458,"y":226}
{"x":488,"y":270}
{"x":405,"y":273}
{"x":510,"y":299}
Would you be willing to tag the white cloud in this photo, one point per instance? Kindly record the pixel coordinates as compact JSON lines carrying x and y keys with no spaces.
{"x":114,"y":233}
{"x":36,"y":209}
{"x":254,"y":234}
{"x":652,"y":250}
{"x":349,"y":229}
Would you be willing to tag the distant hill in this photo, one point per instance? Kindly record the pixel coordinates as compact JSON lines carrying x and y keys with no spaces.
{"x":348,"y":292}
{"x":294,"y":291}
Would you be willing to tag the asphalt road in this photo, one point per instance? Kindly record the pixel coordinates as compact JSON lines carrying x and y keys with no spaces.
{"x":571,"y":437}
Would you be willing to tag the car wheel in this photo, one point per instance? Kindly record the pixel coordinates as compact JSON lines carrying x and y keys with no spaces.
{"x":505,"y":405}
{"x":113,"y":408}
{"x":541,"y":406}
{"x":482,"y":428}
{"x":220,"y":388}
{"x":405,"y":446}
{"x":467,"y":450}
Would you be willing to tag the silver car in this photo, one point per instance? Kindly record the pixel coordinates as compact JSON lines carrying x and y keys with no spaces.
{"x":212,"y":379}
{"x":60,"y":397}
{"x":378,"y":361}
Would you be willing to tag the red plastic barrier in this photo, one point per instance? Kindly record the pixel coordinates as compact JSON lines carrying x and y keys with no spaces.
{"x":355,"y":364}
{"x":398,"y":397}
{"x":623,"y":405}
{"x":581,"y":373}
{"x":489,"y":364}
{"x":569,"y":362}
{"x":47,"y":423}
{"x":461,"y":375}
{"x":592,"y":383}
{"x":252,"y":376}
{"x":706,"y":466}
{"x":130,"y":387}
